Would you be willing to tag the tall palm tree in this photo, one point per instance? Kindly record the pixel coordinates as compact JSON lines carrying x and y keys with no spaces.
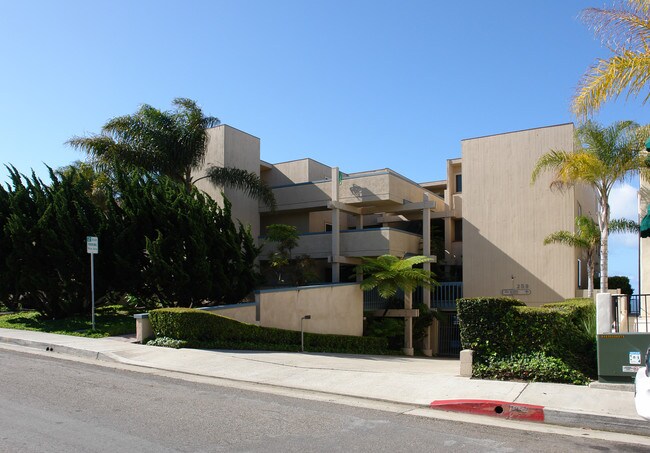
{"x":625,"y":31}
{"x":587,"y":238}
{"x":170,"y":143}
{"x":606,"y":155}
{"x":389,"y":274}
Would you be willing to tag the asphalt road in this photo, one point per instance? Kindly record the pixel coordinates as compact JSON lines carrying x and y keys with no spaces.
{"x":53,"y":405}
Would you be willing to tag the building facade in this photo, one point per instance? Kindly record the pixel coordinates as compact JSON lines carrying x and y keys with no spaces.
{"x":484,"y":225}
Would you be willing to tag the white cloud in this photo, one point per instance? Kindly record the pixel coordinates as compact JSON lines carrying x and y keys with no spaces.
{"x":623,"y":202}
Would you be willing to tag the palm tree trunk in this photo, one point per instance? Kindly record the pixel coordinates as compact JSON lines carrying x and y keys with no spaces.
{"x":590,"y":277}
{"x":603,"y":223}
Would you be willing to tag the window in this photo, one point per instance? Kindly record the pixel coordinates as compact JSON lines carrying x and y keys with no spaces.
{"x":328,"y":227}
{"x":459,"y":183}
{"x":580,"y":274}
{"x":458,"y":230}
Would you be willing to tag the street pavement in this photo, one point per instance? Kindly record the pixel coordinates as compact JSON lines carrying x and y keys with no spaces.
{"x":415,"y":381}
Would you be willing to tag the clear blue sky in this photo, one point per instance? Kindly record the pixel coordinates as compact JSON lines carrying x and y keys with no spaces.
{"x":358,"y":84}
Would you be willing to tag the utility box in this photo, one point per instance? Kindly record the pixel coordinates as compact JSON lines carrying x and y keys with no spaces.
{"x":620,"y":355}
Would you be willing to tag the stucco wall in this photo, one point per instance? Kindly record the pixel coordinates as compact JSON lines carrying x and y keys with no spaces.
{"x":334,"y":309}
{"x":230,"y":147}
{"x":505,"y":218}
{"x":296,"y":171}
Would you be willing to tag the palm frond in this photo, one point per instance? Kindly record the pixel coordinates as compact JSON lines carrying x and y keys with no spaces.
{"x":607,"y":79}
{"x":623,"y":226}
{"x":246,"y":181}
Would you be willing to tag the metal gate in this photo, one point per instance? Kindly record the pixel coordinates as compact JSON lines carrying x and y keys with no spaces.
{"x":449,"y":335}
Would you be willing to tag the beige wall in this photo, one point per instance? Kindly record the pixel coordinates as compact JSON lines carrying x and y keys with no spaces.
{"x":506,"y":218}
{"x":296,"y":171}
{"x":334,"y":309}
{"x":230,"y":147}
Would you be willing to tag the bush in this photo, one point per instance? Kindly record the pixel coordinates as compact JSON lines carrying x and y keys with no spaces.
{"x":530,"y":367}
{"x":200,"y":328}
{"x":500,"y":328}
{"x":392,"y":329}
{"x":616,"y":282}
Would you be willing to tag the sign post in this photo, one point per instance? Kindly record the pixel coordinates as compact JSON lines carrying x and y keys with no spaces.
{"x":92,"y":247}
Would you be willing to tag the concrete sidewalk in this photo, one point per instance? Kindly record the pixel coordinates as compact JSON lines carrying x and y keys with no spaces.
{"x":405,"y":380}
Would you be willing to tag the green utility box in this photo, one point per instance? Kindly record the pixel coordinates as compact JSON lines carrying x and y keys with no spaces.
{"x":620,"y":355}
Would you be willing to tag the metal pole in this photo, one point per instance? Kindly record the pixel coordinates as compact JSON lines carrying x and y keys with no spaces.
{"x":92,"y":286}
{"x":302,"y":333}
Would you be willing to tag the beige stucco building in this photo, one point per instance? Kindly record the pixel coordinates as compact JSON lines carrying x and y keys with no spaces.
{"x":484,"y":224}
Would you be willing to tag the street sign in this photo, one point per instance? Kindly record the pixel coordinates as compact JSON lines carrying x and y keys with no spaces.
{"x":92,"y":245}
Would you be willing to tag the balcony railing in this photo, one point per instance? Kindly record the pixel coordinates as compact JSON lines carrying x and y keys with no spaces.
{"x":638,"y":319}
{"x":442,"y":297}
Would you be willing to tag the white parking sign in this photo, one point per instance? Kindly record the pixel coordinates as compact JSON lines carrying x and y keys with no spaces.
{"x":92,"y":245}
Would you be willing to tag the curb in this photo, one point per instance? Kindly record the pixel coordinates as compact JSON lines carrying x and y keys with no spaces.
{"x":493,"y":408}
{"x":535,"y":413}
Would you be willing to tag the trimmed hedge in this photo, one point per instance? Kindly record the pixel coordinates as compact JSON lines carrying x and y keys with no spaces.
{"x":202,"y":329}
{"x":499,"y":328}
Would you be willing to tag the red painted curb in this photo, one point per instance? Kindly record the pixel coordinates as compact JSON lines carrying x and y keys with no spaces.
{"x":501,"y":409}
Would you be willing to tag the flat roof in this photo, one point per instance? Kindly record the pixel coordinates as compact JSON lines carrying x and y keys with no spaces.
{"x":514,"y":132}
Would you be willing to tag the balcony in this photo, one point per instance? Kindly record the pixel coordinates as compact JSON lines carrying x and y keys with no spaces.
{"x":357,"y":243}
{"x":383,"y":188}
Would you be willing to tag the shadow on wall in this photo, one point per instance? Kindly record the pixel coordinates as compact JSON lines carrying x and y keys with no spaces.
{"x":488,"y":269}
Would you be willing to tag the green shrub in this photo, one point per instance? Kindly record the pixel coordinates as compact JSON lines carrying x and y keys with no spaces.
{"x":485,"y":325}
{"x":200,"y":328}
{"x":530,"y":367}
{"x":616,"y":282}
{"x":392,"y":329}
{"x":500,"y":328}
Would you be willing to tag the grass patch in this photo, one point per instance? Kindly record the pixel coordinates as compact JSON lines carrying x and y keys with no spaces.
{"x":110,"y":320}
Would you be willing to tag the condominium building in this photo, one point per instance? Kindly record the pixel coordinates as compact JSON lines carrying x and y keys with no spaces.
{"x":484,"y":224}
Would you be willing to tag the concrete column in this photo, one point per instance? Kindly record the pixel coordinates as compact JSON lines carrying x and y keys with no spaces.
{"x":604,"y":318}
{"x":466,"y":362}
{"x":336,"y":228}
{"x":408,"y":325}
{"x":622,"y":314}
{"x":426,"y":251}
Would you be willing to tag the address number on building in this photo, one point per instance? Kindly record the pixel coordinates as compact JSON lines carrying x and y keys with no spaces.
{"x":515,"y":292}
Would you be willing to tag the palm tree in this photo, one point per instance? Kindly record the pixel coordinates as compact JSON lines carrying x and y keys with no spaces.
{"x":170,"y":143}
{"x":389,"y":274}
{"x":606,"y":155}
{"x":625,"y":30}
{"x":587,"y":238}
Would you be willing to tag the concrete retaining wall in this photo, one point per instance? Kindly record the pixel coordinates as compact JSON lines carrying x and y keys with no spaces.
{"x":334,"y":309}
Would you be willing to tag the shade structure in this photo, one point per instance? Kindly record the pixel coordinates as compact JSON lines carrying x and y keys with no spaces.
{"x":645,"y":224}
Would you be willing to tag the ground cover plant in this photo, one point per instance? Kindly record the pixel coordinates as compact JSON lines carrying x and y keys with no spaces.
{"x":110,"y":320}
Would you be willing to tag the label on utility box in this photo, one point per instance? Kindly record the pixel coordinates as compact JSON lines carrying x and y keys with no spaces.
{"x":635,"y":358}
{"x":630,"y":369}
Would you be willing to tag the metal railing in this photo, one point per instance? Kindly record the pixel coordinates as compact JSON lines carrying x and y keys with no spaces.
{"x":446,"y":295}
{"x":631,"y":312}
{"x":443,"y":297}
